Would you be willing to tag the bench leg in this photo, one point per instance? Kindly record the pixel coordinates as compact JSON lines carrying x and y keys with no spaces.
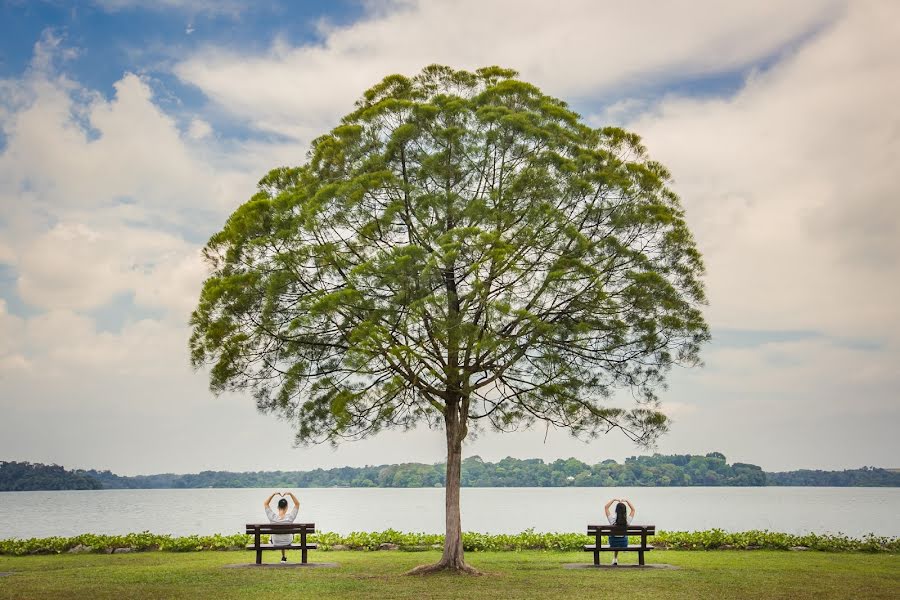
{"x":640,"y":557}
{"x":596,"y":558}
{"x":259,"y":556}
{"x":303,"y":556}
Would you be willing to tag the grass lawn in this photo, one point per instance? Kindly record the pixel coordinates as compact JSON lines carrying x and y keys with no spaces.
{"x":531,"y":574}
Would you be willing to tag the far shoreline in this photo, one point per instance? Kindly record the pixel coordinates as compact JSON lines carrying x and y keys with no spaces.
{"x":477,"y":487}
{"x":657,"y":470}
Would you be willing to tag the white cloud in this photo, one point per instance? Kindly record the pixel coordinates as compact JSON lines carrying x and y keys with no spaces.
{"x":805,"y":370}
{"x":93,"y":191}
{"x":6,"y":253}
{"x":676,"y":409}
{"x":790,"y":184}
{"x":12,"y":331}
{"x":787,"y":185}
{"x":95,"y":197}
{"x":584,"y":48}
{"x":782,"y":405}
{"x":87,"y":155}
{"x":199,"y":129}
{"x":75,"y":267}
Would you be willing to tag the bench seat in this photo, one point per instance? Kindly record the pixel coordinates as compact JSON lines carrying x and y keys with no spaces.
{"x":592,"y":547}
{"x":283,"y":547}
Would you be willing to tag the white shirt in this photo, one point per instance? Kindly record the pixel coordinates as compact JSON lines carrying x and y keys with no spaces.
{"x":282,"y":539}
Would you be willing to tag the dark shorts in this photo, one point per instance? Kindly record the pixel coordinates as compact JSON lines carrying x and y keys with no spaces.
{"x":618,"y":541}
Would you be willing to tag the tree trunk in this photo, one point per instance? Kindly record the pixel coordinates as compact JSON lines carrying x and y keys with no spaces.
{"x":456,"y":409}
{"x":452,"y":558}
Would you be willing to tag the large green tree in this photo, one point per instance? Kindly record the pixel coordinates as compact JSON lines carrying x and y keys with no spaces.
{"x":461,"y":251}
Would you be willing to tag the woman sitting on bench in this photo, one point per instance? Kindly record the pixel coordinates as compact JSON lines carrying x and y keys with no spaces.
{"x":620,"y":519}
{"x":283,"y":516}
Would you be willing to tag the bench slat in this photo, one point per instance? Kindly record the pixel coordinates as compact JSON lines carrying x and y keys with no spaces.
{"x":268,"y":530}
{"x":254,"y":528}
{"x":630,"y":528}
{"x":281,"y":524}
{"x":301,"y":525}
{"x":291,"y":547}
{"x":593,"y":547}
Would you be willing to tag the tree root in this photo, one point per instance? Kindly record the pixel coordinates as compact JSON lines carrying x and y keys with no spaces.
{"x":459,"y":568}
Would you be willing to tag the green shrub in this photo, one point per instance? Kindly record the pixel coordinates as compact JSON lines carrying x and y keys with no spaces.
{"x":714,"y":539}
{"x":772,"y":540}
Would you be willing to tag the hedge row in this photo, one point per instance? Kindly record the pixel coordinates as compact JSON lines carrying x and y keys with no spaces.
{"x":714,"y":539}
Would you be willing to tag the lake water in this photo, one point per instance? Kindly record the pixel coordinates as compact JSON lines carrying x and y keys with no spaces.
{"x":852,"y":511}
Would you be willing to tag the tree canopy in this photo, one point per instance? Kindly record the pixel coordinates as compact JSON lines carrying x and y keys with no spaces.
{"x":462,"y":251}
{"x":459,"y":234}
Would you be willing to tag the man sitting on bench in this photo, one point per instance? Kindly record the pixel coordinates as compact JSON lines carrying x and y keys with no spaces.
{"x":283,"y":516}
{"x":620,"y":519}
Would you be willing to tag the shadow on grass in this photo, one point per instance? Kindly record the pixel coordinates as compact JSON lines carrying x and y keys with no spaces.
{"x":282,"y":566}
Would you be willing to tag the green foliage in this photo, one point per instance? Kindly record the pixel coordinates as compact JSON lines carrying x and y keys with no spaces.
{"x":23,"y":476}
{"x":529,"y":539}
{"x":716,"y":539}
{"x":866,"y":476}
{"x":656,"y":470}
{"x":460,"y":247}
{"x":136,"y":541}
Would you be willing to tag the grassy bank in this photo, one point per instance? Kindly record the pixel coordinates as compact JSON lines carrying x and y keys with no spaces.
{"x":713,"y":539}
{"x":528,"y":574}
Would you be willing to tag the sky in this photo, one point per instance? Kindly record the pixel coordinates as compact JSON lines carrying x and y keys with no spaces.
{"x":129,"y":131}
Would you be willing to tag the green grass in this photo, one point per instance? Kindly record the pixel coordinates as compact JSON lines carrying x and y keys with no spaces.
{"x":528,"y":574}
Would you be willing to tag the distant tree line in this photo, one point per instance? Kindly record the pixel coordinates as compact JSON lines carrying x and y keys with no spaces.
{"x":637,"y":471}
{"x":656,"y":470}
{"x":866,"y":476}
{"x":25,"y":476}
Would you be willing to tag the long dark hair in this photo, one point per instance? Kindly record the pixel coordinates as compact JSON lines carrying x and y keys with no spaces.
{"x":621,"y":519}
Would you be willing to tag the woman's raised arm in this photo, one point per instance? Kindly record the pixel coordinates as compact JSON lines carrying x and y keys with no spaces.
{"x":269,"y":500}
{"x":630,"y":506}
{"x":294,"y":498}
{"x":608,"y":504}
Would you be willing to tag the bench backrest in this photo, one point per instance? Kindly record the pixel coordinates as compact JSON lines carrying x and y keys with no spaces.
{"x":268,"y":528}
{"x":615,"y":530}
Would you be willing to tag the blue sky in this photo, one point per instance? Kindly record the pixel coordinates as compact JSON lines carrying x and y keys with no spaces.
{"x":138,"y":37}
{"x":109,"y":39}
{"x":129,"y":131}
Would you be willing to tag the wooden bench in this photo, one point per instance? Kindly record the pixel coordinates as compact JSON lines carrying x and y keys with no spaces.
{"x":259,"y":529}
{"x":598,"y":531}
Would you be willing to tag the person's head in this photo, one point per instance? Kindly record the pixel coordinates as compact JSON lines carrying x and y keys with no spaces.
{"x":282,"y":504}
{"x":621,"y":514}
